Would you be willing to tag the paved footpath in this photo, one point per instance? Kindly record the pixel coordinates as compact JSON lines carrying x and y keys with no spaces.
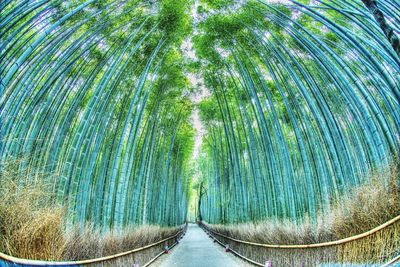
{"x":196,"y":249}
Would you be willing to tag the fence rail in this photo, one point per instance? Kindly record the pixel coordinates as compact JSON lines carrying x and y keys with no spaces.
{"x":395,"y":260}
{"x":376,"y":246}
{"x":127,"y":258}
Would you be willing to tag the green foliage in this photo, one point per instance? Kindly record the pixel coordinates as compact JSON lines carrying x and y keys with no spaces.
{"x":217,"y":4}
{"x":209,"y":110}
{"x":171,"y":72}
{"x":173,"y":18}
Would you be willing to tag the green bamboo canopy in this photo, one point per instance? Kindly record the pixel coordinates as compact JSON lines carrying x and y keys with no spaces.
{"x":304,"y":104}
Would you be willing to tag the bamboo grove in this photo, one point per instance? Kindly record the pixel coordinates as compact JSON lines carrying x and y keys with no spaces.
{"x":95,"y":97}
{"x":305,"y":104}
{"x":91,"y":94}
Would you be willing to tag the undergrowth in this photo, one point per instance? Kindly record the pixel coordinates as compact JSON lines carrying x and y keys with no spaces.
{"x":369,"y":205}
{"x":29,"y":227}
{"x":32,"y":228}
{"x":90,"y":243}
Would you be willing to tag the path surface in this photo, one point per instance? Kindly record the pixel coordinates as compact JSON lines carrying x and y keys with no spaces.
{"x":196,"y":249}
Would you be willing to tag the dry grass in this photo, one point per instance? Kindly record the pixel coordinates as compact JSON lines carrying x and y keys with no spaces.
{"x":277,"y":232}
{"x":369,"y":206}
{"x":30,"y":228}
{"x":90,"y":243}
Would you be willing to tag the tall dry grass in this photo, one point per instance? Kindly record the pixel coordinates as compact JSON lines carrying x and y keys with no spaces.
{"x":32,"y":228}
{"x":29,"y":227}
{"x":91,"y":243}
{"x":370,"y":205}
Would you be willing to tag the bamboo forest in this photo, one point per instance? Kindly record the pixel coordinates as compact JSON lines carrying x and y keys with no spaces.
{"x":199,"y":133}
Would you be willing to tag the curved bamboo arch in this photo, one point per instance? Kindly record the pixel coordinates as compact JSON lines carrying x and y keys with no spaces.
{"x":29,"y":77}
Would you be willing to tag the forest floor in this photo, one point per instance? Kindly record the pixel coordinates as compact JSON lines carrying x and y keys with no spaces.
{"x":196,"y":249}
